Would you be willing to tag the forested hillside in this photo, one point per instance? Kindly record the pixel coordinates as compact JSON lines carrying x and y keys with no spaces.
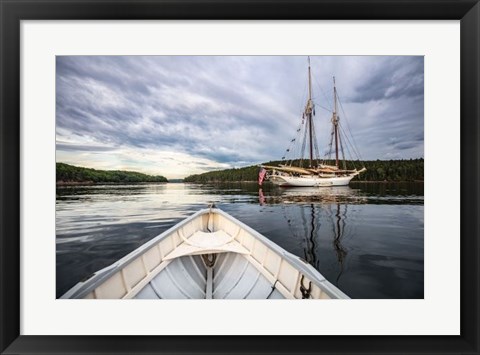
{"x":75,"y":174}
{"x":377,"y":170}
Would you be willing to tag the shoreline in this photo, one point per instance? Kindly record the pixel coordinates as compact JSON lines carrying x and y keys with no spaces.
{"x":353,"y":182}
{"x":91,"y":183}
{"x":387,"y":182}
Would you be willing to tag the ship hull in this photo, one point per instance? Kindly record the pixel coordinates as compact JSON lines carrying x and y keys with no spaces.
{"x":310,"y":181}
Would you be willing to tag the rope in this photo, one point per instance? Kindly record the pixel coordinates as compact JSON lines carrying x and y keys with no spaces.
{"x":297,"y":148}
{"x":207,"y":261}
{"x":324,"y":95}
{"x":328,"y":154}
{"x":303,"y":145}
{"x":354,"y":145}
{"x":341,"y":148}
{"x":325,"y":108}
{"x":349,"y":149}
{"x":293,"y":143}
{"x":288,"y":152}
{"x":306,"y":292}
{"x":315,"y":143}
{"x":273,"y":289}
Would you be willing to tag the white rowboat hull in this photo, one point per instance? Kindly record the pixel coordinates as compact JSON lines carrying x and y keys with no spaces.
{"x":209,"y":255}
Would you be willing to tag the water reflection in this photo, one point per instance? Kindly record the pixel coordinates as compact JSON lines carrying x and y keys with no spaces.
{"x":328,"y":195}
{"x":317,"y":221}
{"x":338,"y":229}
{"x":366,"y":239}
{"x":325,"y":223}
{"x":380,"y":193}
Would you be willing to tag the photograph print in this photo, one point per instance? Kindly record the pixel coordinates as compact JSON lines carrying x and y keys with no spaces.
{"x":239,"y":177}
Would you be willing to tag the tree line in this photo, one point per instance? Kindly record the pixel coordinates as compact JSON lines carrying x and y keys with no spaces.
{"x":74,"y":174}
{"x":377,"y":170}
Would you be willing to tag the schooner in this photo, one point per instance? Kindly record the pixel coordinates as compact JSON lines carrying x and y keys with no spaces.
{"x":314,"y":172}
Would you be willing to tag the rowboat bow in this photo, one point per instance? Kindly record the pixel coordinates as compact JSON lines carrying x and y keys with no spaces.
{"x":209,"y":255}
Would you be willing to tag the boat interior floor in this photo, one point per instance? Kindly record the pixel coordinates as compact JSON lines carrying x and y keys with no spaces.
{"x":232,"y":276}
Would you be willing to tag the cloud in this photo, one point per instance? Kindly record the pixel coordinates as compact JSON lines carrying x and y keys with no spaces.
{"x":211,"y":112}
{"x":63,"y":146}
{"x":391,"y":77}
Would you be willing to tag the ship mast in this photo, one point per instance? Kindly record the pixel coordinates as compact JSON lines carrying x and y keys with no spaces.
{"x":335,"y":121}
{"x":308,"y":112}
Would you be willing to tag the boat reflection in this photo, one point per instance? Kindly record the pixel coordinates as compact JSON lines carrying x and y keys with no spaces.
{"x":338,"y":229}
{"x":336,"y":194}
{"x":317,"y":221}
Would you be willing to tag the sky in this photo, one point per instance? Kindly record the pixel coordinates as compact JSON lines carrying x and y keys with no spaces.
{"x":181,"y":115}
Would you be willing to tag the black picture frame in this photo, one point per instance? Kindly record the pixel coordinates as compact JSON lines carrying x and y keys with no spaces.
{"x":12,"y":12}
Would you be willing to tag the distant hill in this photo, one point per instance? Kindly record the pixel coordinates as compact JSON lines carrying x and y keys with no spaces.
{"x":67,"y":174}
{"x":377,"y":170}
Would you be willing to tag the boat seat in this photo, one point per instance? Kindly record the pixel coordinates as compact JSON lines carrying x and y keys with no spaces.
{"x":206,"y":243}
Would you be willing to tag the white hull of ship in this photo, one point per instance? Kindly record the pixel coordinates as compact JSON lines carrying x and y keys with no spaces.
{"x":311,"y":181}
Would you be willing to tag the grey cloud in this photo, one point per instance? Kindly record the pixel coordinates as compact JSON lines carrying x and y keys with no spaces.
{"x":235,"y":109}
{"x":405,"y":145}
{"x":394,"y":77}
{"x":82,"y":148}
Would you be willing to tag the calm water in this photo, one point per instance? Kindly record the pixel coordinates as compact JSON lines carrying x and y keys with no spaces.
{"x":367,"y":239}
